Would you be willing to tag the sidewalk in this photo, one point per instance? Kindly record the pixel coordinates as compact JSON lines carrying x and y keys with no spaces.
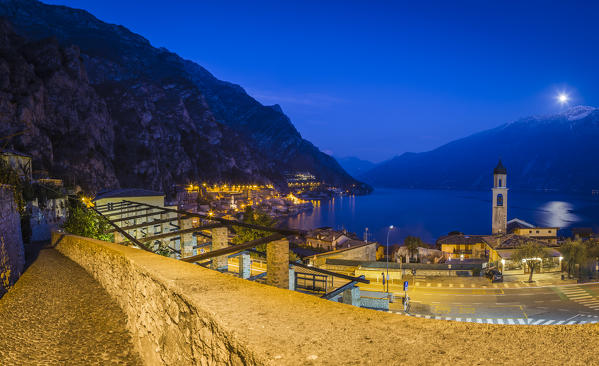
{"x":509,"y":281}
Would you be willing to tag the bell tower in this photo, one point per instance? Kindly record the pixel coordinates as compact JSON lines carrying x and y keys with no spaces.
{"x":499,"y":199}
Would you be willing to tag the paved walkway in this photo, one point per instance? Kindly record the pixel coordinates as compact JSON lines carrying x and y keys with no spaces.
{"x":57,"y":314}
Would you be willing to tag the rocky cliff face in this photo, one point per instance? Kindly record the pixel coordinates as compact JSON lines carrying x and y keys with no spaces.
{"x":44,"y":92}
{"x":164,"y":119}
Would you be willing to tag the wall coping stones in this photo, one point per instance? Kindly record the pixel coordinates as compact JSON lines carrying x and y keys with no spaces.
{"x":180,"y":313}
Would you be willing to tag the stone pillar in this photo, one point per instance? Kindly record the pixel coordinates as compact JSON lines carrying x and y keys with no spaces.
{"x":164,"y":226}
{"x":187,"y":241}
{"x":277,"y":263}
{"x":352,"y":296}
{"x":244,"y":266}
{"x":220,"y":239}
{"x":292,"y":277}
{"x":118,"y":237}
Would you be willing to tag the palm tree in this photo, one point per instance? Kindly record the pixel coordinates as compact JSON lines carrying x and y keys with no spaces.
{"x":412,"y":243}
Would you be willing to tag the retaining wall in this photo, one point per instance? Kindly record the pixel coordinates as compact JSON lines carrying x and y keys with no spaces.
{"x":12,"y":256}
{"x":180,"y":313}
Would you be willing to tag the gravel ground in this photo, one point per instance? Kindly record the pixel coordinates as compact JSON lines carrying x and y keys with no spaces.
{"x":58,"y":314}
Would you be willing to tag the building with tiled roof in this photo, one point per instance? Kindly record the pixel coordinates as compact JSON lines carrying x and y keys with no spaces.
{"x":502,"y":247}
{"x":327,"y":238}
{"x":523,"y":228}
{"x":460,"y":246}
{"x":350,"y":249}
{"x":582,"y":232}
{"x":19,"y":161}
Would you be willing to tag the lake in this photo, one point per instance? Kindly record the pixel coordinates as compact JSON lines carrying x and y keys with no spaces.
{"x":432,"y":213}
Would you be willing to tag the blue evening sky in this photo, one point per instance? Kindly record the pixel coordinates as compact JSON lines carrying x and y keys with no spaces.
{"x":374,"y":79}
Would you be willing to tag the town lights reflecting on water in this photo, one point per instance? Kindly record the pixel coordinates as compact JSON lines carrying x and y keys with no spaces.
{"x":429,"y":214}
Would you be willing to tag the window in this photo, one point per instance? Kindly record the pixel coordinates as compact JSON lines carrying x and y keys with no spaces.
{"x":537,"y":231}
{"x":500,"y":199}
{"x":500,"y":183}
{"x":549,"y":231}
{"x":530,"y":231}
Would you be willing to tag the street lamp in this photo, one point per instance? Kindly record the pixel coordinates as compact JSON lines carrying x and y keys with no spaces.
{"x":388,"y":231}
{"x":560,"y":263}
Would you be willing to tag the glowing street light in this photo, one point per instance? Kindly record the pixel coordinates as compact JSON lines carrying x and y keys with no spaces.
{"x":87,"y":201}
{"x":387,"y":247}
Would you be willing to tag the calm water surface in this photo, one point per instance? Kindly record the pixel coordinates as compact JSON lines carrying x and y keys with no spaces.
{"x":432,"y":213}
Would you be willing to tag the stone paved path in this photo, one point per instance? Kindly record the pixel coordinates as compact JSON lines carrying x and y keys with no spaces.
{"x":57,"y":314}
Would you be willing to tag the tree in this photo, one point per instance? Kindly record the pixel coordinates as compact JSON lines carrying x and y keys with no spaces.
{"x":532,"y":254}
{"x":412,"y":243}
{"x":256,"y":217}
{"x":592,"y":252}
{"x":85,"y":222}
{"x":574,"y":252}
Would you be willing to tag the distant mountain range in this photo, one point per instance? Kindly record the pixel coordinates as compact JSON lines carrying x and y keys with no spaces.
{"x":104,"y":108}
{"x":555,"y":152}
{"x":355,"y":166}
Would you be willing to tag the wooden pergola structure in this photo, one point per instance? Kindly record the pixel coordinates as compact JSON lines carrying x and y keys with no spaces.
{"x":126,"y":215}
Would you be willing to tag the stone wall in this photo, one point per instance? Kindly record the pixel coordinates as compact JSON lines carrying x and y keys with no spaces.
{"x":12,"y":255}
{"x":182,"y":314}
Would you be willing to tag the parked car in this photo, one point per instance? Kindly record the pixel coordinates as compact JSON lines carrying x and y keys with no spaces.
{"x":494,"y":275}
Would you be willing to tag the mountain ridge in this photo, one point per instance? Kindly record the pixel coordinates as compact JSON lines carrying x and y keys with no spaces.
{"x":548,"y":152}
{"x":147,"y":88}
{"x":354,"y":165}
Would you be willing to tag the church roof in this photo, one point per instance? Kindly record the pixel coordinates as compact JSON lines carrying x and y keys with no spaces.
{"x":500,"y":169}
{"x":512,"y":241}
{"x":514,"y":224}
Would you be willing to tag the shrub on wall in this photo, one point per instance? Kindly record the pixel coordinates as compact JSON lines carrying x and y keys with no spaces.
{"x":85,"y":222}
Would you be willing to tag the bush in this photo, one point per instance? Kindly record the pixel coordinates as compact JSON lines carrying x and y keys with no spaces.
{"x":85,"y":222}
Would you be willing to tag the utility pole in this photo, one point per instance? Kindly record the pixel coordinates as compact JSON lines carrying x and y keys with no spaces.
{"x":388,"y":231}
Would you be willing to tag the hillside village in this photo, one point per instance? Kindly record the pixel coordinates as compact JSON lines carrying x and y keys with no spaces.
{"x":325,"y":247}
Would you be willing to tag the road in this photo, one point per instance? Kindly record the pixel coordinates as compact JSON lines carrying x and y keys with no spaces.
{"x":567,"y":304}
{"x":509,"y":303}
